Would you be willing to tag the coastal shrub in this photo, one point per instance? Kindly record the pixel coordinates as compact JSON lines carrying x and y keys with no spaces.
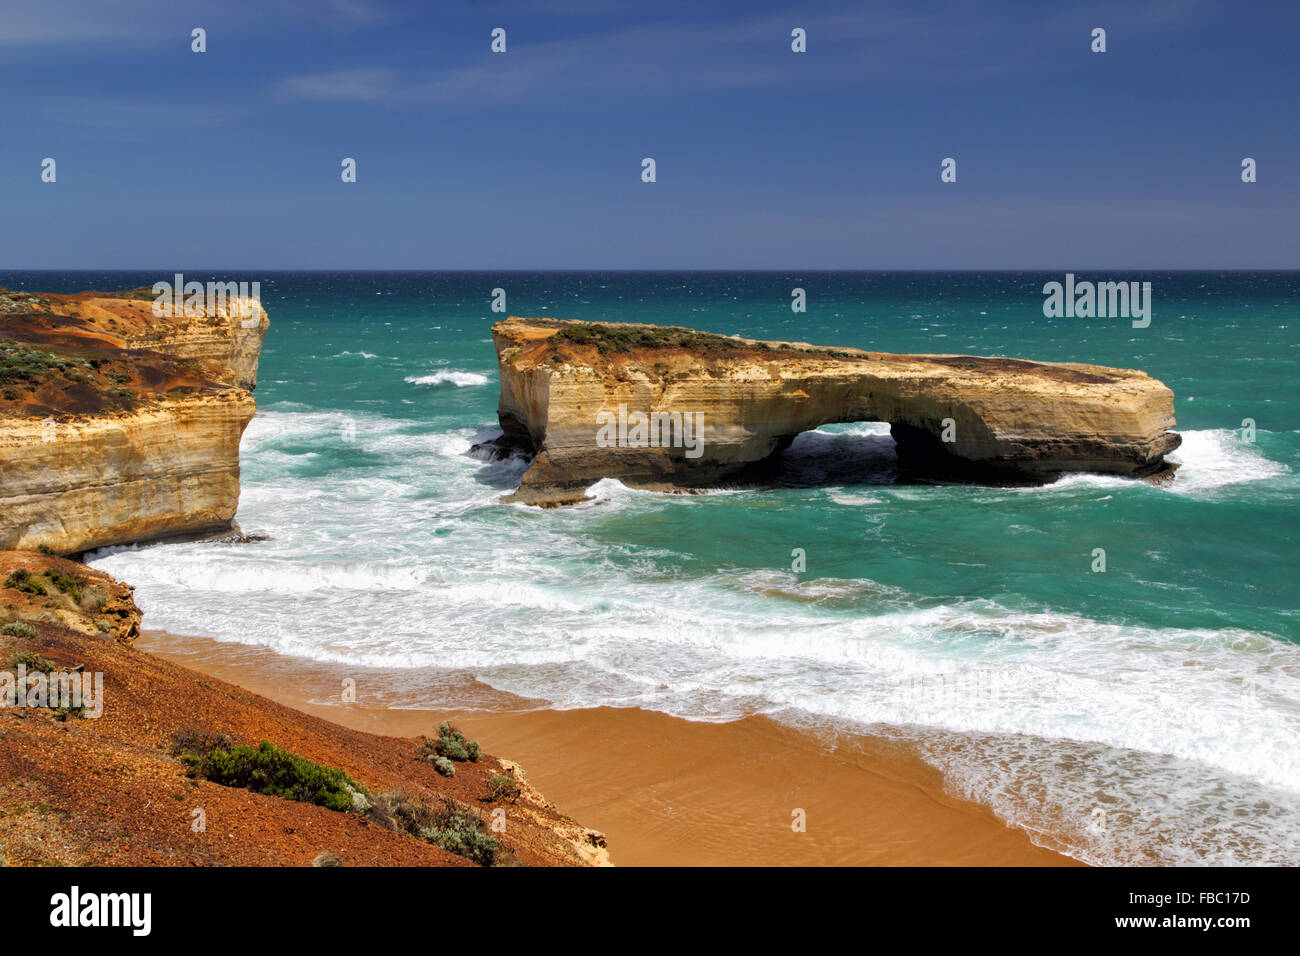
{"x":398,"y":812}
{"x":61,"y":714}
{"x":21,"y":579}
{"x":451,"y":743}
{"x":462,"y":832}
{"x":18,"y":629}
{"x":444,"y":766}
{"x":33,"y":662}
{"x":502,"y":787}
{"x":94,"y":599}
{"x":609,"y":338}
{"x":445,"y":824}
{"x":23,"y":365}
{"x":66,"y":583}
{"x":142,"y":293}
{"x":360,"y":802}
{"x":277,"y":772}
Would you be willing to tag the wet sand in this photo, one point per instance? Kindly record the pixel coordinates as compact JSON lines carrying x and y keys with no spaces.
{"x":665,"y":791}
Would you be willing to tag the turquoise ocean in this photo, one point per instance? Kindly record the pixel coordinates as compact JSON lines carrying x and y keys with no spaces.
{"x":1149,"y":713}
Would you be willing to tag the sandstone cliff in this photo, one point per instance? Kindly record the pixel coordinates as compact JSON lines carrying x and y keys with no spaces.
{"x":117,"y":426}
{"x":953,"y":417}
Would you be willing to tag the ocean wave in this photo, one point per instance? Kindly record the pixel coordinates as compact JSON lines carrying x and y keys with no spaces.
{"x":245,"y":573}
{"x":1109,"y":806}
{"x":854,"y":429}
{"x":832,"y":592}
{"x":1217,"y":458}
{"x":840,"y":497}
{"x":1208,"y":460}
{"x":1223,"y":698}
{"x":448,"y":376}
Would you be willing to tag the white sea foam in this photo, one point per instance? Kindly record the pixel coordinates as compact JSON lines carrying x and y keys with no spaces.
{"x":1209,"y":460}
{"x":855,"y":501}
{"x":1115,"y":806}
{"x":856,"y":429}
{"x":1217,"y":458}
{"x":448,"y":376}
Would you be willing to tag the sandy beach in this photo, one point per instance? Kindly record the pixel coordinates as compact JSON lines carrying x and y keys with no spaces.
{"x":665,"y":791}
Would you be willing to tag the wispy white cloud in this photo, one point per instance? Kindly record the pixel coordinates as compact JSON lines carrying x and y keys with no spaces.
{"x":649,"y":58}
{"x":354,"y":86}
{"x":922,"y":45}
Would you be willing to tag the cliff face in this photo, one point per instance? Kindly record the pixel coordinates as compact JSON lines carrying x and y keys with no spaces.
{"x":169,"y":468}
{"x":117,"y":426}
{"x":573,"y":394}
{"x":226,"y":339}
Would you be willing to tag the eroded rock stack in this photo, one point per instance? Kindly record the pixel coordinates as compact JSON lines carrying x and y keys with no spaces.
{"x":953,"y":417}
{"x":117,"y":425}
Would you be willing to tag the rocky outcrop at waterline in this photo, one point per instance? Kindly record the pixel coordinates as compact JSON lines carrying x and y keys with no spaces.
{"x":675,"y":409}
{"x":117,"y":425}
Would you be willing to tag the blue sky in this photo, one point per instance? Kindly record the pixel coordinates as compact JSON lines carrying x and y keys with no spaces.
{"x":1066,"y":159}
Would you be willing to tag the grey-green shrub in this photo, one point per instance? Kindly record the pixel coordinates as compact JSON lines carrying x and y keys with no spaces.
{"x":451,"y":743}
{"x":461,"y":832}
{"x":502,"y":787}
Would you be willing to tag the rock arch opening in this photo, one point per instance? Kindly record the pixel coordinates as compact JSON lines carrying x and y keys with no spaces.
{"x":837,"y":454}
